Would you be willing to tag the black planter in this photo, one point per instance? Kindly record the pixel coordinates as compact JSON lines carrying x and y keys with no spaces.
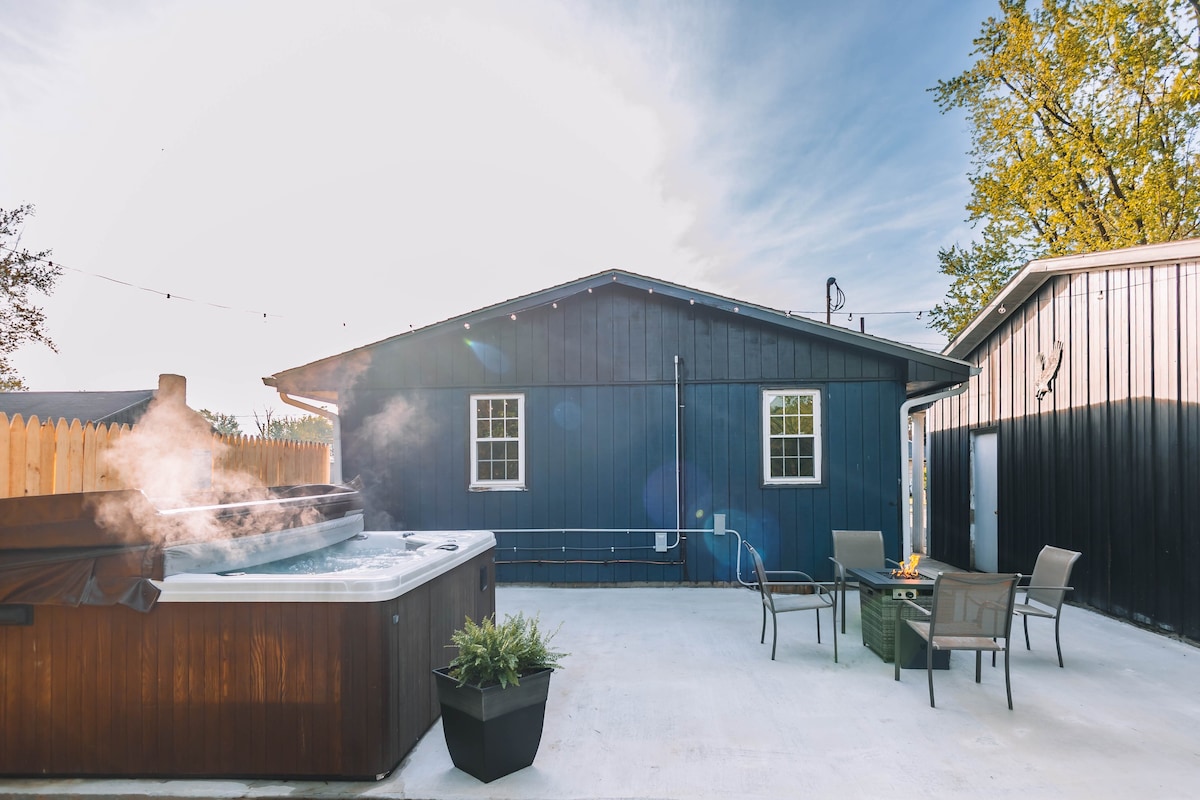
{"x":494,"y":731}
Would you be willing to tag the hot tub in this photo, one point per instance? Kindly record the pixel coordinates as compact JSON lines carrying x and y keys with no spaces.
{"x":318,"y":666}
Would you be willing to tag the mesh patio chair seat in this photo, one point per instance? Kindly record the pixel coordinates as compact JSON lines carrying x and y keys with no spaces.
{"x":1046,"y":590}
{"x":970,"y":611}
{"x":809,"y":595}
{"x":855,"y":550}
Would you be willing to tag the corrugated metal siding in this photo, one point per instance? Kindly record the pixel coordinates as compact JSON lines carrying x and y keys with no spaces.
{"x":597,"y":373}
{"x":1107,"y":462}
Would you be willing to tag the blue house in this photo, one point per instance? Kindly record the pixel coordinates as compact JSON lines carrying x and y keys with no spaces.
{"x":630,"y":411}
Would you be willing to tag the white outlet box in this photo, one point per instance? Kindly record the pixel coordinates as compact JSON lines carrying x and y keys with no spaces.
{"x":660,"y":541}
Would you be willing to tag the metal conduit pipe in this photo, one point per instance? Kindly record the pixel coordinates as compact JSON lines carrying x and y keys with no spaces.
{"x":679,"y":537}
{"x":680,"y":511}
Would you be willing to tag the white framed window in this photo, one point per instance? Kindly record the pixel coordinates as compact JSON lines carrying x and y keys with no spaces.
{"x":497,"y":441}
{"x":791,"y":436}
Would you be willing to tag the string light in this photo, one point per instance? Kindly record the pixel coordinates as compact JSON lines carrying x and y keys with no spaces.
{"x":1158,"y":277}
{"x":166,"y":295}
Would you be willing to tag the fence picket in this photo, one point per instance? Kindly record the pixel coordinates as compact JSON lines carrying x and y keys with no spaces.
{"x":16,"y":458}
{"x":74,"y":466}
{"x":5,"y":449}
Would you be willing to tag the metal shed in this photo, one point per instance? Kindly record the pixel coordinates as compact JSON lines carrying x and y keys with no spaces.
{"x":1081,"y":430}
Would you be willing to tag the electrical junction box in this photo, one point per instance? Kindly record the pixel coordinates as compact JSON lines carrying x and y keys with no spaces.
{"x":660,"y":541}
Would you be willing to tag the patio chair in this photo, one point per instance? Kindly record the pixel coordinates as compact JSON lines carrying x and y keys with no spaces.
{"x":971,"y":611}
{"x":1046,"y":590}
{"x":855,"y":550}
{"x":809,"y":596}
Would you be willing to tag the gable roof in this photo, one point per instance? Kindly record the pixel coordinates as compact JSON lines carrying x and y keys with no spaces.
{"x":927,"y":371}
{"x":1033,"y":275}
{"x":98,"y":407}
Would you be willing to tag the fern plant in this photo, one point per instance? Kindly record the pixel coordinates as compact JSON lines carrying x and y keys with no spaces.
{"x":490,"y":654}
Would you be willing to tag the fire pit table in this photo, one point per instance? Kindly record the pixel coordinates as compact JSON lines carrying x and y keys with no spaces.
{"x":881,"y":598}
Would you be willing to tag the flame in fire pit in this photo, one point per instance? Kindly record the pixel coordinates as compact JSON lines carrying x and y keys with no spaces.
{"x":909,"y":568}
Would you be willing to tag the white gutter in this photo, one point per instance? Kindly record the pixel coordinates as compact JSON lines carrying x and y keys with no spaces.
{"x":906,"y":543}
{"x":335,"y":468}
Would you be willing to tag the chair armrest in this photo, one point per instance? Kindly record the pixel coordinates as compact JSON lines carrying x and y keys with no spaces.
{"x":826,"y":587}
{"x":1061,"y":588}
{"x":922,"y":609}
{"x":803,"y":577}
{"x":893,"y":562}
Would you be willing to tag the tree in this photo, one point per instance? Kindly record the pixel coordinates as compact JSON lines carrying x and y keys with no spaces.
{"x":1084,"y":137}
{"x":309,"y":428}
{"x":224,"y":424}
{"x":21,"y":273}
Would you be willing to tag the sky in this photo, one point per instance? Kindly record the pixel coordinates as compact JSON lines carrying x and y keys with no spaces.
{"x":234,"y":189}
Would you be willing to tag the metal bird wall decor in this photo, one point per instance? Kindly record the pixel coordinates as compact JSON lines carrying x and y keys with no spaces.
{"x":1049,"y":368}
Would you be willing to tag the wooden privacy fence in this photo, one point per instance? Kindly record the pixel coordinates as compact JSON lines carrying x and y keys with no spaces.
{"x":63,"y":457}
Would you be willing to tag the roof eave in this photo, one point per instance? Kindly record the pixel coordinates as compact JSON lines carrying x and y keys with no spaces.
{"x":518,"y":305}
{"x":1035,"y":273}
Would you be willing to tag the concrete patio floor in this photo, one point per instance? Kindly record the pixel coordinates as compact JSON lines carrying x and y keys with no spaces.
{"x":667,"y":693}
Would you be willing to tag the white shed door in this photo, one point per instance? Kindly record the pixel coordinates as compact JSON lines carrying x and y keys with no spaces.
{"x":984,"y":502}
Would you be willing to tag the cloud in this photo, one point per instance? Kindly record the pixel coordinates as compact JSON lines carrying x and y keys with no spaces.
{"x":352,"y":172}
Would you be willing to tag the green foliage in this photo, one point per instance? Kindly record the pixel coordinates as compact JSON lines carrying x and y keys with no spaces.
{"x":21,"y":272}
{"x":1085,"y":137}
{"x":490,"y":654}
{"x":309,"y":428}
{"x":224,"y":424}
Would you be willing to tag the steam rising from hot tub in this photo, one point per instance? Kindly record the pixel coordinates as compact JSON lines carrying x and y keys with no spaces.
{"x":170,"y":455}
{"x":401,"y":425}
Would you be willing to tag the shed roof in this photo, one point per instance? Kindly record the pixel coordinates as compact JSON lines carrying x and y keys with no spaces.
{"x":1031,"y":277}
{"x":98,"y":407}
{"x":927,"y":371}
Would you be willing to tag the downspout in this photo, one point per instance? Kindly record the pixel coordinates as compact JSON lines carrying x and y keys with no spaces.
{"x":906,"y":544}
{"x":335,"y":468}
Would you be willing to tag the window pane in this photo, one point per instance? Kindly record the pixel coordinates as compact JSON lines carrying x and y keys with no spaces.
{"x":791,"y":428}
{"x":496,"y":440}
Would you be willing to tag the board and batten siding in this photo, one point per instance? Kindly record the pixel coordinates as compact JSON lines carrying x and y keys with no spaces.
{"x":1108,"y":462}
{"x":598,"y":376}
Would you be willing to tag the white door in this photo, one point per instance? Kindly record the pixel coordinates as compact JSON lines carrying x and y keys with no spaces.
{"x":984,"y":501}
